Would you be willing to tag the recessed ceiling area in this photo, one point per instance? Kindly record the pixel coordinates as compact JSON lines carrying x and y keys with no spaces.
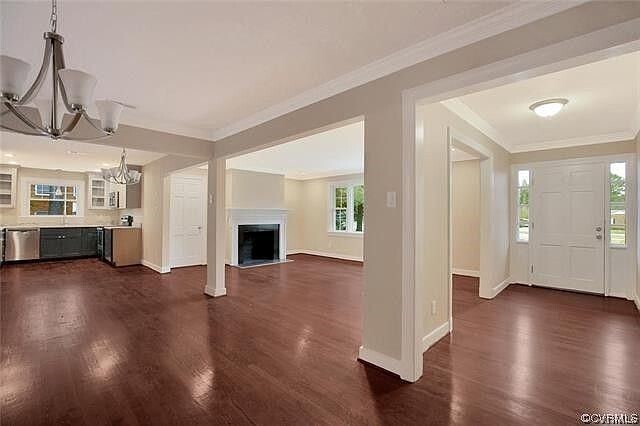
{"x":335,"y":152}
{"x":42,"y":153}
{"x":193,"y":69}
{"x":603,"y":106}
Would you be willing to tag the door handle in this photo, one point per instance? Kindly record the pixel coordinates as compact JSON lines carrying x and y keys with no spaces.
{"x":598,"y":228}
{"x":598,"y":236}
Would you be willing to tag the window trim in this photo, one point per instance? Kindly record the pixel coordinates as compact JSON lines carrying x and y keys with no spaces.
{"x":26,"y":195}
{"x":349,"y":184}
{"x":607,"y":228}
{"x":516,"y":196}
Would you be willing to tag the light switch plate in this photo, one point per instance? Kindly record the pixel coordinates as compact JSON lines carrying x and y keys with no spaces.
{"x":391,"y":199}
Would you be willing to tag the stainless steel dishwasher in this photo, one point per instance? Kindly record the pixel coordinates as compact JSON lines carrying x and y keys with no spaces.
{"x":22,"y":244}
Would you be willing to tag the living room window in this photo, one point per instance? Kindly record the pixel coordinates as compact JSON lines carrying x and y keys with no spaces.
{"x":347,"y":208}
{"x":49,"y":199}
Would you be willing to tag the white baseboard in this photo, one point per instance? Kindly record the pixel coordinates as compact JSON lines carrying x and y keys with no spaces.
{"x":498,"y":288}
{"x":466,"y":272}
{"x":380,"y":360}
{"x":155,"y":267}
{"x":326,"y":254}
{"x":215,"y":292}
{"x":433,"y":337}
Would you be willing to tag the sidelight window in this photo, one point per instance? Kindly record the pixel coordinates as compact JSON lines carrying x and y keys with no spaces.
{"x":617,"y":205}
{"x":522,"y":232}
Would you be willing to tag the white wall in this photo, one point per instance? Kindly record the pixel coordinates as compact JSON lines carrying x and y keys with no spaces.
{"x":432,"y":170}
{"x":465,"y":216}
{"x":308,"y":208}
{"x":621,"y":269}
{"x":313,"y":204}
{"x":15,"y":216}
{"x":380,"y":103}
{"x":155,"y":207}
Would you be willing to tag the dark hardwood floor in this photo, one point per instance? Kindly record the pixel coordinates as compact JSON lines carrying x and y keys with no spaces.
{"x":83,"y":343}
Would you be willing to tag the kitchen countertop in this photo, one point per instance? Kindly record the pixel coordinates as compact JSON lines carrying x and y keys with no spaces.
{"x":65,"y":226}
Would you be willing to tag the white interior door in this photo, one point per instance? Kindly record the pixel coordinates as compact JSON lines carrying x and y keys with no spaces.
{"x":187,"y":214}
{"x":568,"y":218}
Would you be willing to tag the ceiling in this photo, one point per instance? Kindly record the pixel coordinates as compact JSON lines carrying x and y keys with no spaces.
{"x":195,"y":67}
{"x":604,"y":106}
{"x":40,"y":153}
{"x":335,"y":152}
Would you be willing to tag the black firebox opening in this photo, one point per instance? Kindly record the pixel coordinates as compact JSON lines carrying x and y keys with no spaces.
{"x":258,"y":244}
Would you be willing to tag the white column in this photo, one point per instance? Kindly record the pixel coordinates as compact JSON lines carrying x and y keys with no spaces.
{"x":216,"y":229}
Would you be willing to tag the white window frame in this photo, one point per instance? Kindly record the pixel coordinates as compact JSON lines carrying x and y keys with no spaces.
{"x":627,"y":204}
{"x":516,"y":197}
{"x":350,"y":207}
{"x":26,"y":195}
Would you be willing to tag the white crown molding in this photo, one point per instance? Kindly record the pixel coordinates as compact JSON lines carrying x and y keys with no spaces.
{"x":579,"y":141}
{"x":132,"y":118}
{"x":463,"y":111}
{"x":512,"y":16}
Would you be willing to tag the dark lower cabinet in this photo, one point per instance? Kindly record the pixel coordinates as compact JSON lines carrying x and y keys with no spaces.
{"x":89,"y":241}
{"x":68,"y":242}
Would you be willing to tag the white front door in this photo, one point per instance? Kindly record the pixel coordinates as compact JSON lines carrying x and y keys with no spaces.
{"x":186,"y":221}
{"x":568,"y":227}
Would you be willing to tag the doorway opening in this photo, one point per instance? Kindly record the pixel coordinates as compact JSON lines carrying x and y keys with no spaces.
{"x":469,"y":212}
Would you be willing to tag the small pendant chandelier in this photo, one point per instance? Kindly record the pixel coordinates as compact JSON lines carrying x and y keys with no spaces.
{"x":121,"y":174}
{"x":71,"y":90}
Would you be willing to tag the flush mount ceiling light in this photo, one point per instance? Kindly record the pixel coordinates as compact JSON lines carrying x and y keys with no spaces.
{"x":72,"y":90}
{"x":548,"y":107}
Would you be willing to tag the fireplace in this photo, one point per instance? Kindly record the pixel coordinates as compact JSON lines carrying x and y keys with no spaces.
{"x":256,"y":236}
{"x":258,"y":244}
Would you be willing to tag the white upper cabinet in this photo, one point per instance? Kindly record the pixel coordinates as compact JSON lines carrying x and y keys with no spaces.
{"x":8,"y":183}
{"x":105,"y":195}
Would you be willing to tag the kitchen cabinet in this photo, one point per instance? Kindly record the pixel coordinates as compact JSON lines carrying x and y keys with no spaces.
{"x":106,"y":195}
{"x":98,"y":192}
{"x":122,"y":245}
{"x":8,"y":184}
{"x":68,"y":242}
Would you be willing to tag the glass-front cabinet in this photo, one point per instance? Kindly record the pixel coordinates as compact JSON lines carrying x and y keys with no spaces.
{"x":8,"y":183}
{"x":105,"y":195}
{"x":98,"y":193}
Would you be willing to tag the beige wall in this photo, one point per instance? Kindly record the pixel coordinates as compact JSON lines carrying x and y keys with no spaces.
{"x":307,"y":205}
{"x":155,"y":207}
{"x":584,"y":151}
{"x":432,"y":170}
{"x":465,"y":215}
{"x":296,"y":220}
{"x":637,"y":295}
{"x":88,"y":216}
{"x":380,"y":102}
{"x":314,"y":208}
{"x":254,"y":190}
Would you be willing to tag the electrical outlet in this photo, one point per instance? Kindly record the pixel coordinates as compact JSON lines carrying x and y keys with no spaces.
{"x":434,"y":308}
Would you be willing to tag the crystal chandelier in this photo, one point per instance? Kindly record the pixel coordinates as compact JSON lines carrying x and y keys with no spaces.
{"x":72,"y":90}
{"x":121,"y":174}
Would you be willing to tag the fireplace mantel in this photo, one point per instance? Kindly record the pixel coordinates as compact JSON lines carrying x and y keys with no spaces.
{"x":236,"y":217}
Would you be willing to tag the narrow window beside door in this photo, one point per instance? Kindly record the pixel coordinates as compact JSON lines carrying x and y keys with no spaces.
{"x":617,"y":205}
{"x":522,"y":232}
